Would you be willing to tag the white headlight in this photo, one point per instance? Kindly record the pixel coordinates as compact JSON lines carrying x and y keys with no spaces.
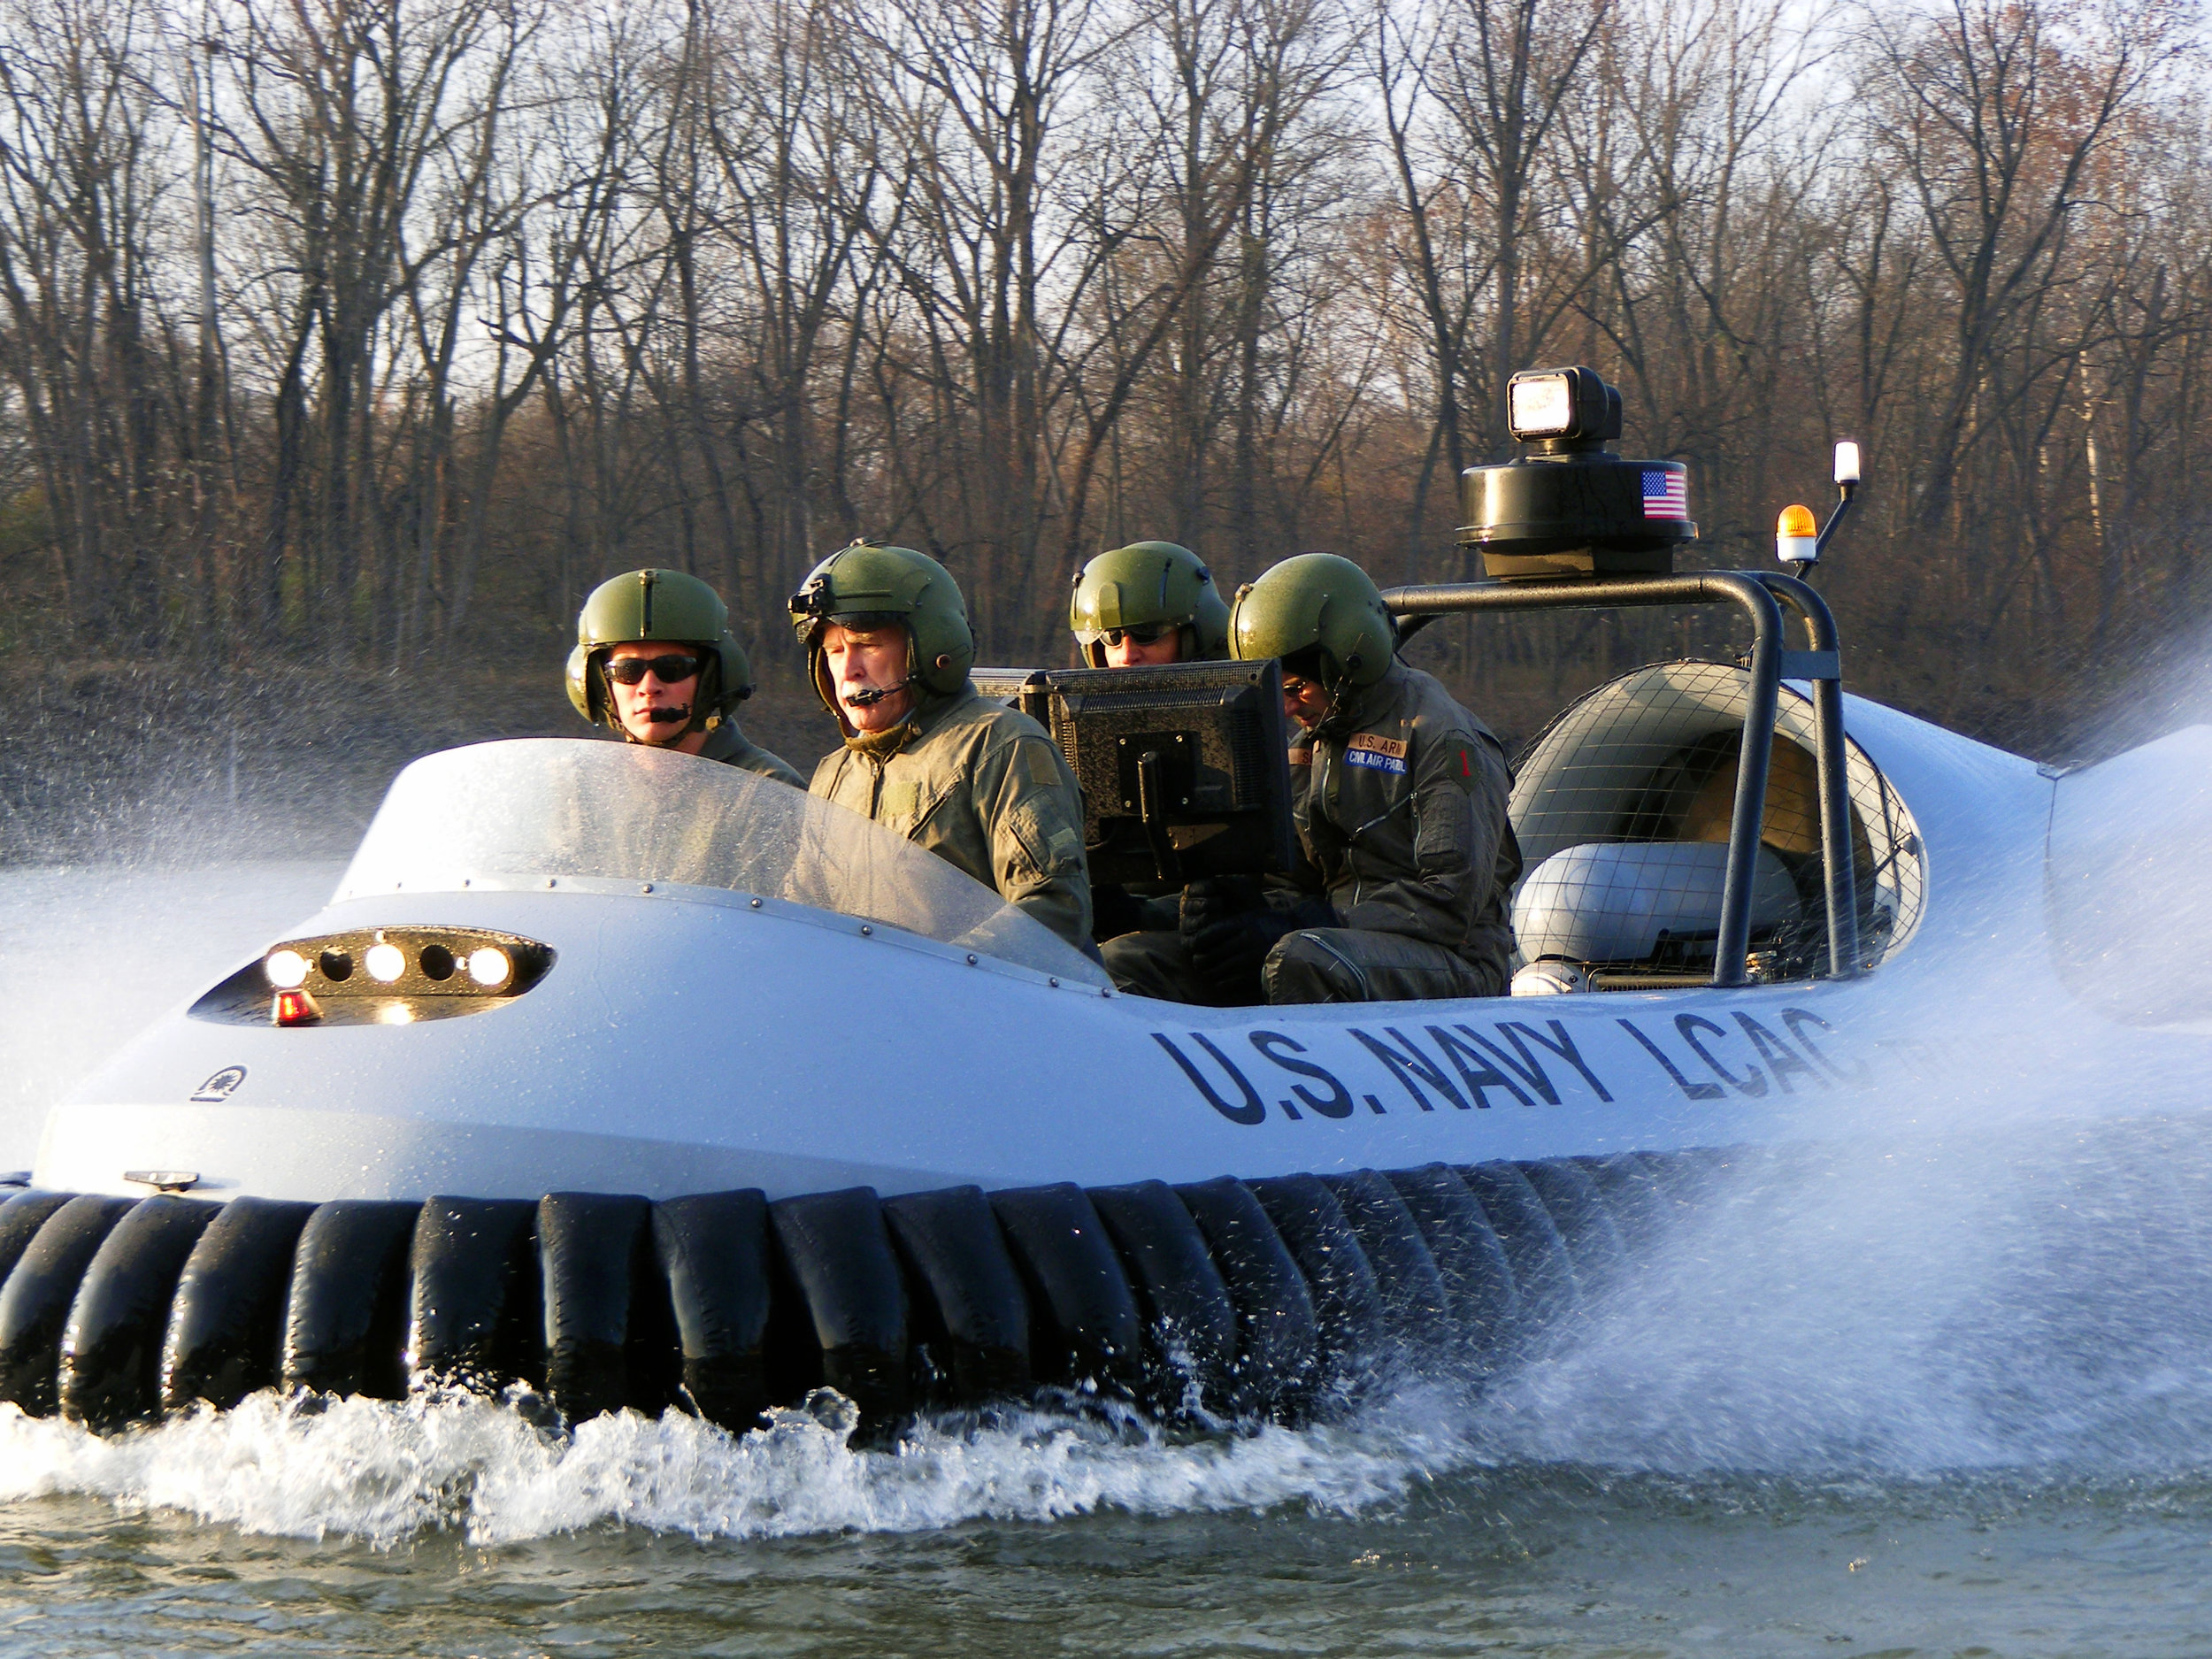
{"x":287,"y":970}
{"x":1540,"y":406}
{"x":385,"y":963}
{"x":488,"y":966}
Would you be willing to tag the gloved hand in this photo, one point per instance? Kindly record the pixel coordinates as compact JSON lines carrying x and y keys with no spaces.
{"x":1231,"y":923}
{"x":1212,"y":899}
{"x":1234,"y":946}
{"x":1115,"y":910}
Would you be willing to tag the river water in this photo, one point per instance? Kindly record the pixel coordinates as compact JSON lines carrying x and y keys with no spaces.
{"x":1843,"y":1419}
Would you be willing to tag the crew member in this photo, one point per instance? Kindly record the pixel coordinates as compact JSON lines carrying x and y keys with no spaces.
{"x":980,"y":785}
{"x":1149,"y":602}
{"x":655,"y":660}
{"x":1402,"y":814}
{"x":1140,"y":606}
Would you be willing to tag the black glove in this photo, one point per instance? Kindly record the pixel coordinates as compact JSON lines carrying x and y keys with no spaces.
{"x":1212,"y":899}
{"x":1234,"y":946}
{"x":1115,"y":910}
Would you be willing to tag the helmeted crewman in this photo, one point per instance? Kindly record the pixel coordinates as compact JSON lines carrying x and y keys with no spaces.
{"x":655,"y":661}
{"x":1402,"y":814}
{"x":1147,"y":604}
{"x":980,"y":785}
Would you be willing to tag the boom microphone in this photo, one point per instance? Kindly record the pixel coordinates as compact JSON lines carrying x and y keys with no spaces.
{"x":872,"y":695}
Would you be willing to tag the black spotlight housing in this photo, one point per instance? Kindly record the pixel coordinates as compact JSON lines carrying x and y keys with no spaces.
{"x":1568,"y":507}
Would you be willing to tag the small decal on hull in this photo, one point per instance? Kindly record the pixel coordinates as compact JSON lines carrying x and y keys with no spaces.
{"x":221,"y":1087}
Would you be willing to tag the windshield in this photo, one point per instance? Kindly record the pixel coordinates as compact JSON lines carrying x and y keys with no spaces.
{"x":538,"y":807}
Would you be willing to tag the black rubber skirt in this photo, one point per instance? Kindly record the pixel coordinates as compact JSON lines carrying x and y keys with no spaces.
{"x":1217,"y":1299}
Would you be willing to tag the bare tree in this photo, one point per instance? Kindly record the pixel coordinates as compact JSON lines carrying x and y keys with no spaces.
{"x":332,"y":328}
{"x":1995,"y":116}
{"x":82,"y":172}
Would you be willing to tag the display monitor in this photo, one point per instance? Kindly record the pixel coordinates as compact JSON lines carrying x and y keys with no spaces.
{"x":1185,"y":767}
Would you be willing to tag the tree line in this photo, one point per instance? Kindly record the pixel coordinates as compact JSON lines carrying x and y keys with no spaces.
{"x":359,"y":332}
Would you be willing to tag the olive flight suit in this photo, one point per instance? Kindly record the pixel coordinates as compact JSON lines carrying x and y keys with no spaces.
{"x":1404,"y":813}
{"x":1401,"y":809}
{"x":730,"y":746}
{"x":982,"y":787}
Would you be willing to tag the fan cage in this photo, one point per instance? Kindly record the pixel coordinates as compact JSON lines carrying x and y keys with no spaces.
{"x":1651,"y":758}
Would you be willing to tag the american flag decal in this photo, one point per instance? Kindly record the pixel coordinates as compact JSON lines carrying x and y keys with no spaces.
{"x":1666,"y":494}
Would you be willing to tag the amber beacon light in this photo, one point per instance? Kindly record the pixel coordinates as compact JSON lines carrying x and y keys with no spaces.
{"x":1796,"y":537}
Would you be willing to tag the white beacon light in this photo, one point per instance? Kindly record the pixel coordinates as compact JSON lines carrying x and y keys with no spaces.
{"x":1846,"y":463}
{"x":287,"y":970}
{"x":385,"y":963}
{"x":1796,"y":537}
{"x":488,"y":966}
{"x":1540,"y":405}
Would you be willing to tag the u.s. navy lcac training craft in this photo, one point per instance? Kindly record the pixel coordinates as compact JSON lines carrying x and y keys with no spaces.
{"x":624,"y":1079}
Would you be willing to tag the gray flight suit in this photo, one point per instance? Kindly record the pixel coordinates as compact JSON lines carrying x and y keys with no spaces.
{"x":982,"y":787}
{"x":1402,"y":814}
{"x":731,"y":747}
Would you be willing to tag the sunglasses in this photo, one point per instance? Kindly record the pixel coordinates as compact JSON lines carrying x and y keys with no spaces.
{"x":671,"y":670}
{"x":1144,"y":633}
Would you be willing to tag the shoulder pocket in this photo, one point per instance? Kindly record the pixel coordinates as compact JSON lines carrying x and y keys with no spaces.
{"x":1042,"y":846}
{"x":1443,"y":827}
{"x":1040,"y":762}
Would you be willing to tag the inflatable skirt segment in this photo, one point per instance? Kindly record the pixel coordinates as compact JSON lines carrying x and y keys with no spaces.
{"x":1220,"y":1298}
{"x":1273,"y":1298}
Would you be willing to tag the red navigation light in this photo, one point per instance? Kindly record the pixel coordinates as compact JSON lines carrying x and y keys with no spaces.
{"x":294,"y":1008}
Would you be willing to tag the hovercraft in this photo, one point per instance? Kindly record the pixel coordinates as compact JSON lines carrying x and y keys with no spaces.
{"x":625,"y":1079}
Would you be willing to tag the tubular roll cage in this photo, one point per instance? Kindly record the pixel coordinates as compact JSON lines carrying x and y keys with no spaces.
{"x":1760,"y":595}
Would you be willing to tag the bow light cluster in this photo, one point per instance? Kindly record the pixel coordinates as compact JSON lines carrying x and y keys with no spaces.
{"x":386,"y":976}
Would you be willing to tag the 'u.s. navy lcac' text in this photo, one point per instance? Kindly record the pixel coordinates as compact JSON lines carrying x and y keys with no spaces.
{"x":1474,"y":1065}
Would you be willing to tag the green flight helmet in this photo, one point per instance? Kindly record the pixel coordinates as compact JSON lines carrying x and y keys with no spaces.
{"x":1316,"y":599}
{"x":1149,"y":584}
{"x":866,"y":586}
{"x":659,"y":605}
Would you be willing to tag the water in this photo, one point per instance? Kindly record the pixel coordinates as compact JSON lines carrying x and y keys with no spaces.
{"x":660,"y":1538}
{"x":85,"y":952}
{"x":1863,"y":1408}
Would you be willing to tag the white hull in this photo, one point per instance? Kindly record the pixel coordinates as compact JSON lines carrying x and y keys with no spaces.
{"x":688,"y":1040}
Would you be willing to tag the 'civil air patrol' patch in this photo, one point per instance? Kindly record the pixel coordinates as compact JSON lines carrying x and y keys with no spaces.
{"x":1380,"y":754}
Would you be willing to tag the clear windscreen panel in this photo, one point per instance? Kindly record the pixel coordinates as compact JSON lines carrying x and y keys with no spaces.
{"x":498,"y":814}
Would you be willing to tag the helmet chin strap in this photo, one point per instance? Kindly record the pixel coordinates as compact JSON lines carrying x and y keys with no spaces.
{"x":1341,"y":694}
